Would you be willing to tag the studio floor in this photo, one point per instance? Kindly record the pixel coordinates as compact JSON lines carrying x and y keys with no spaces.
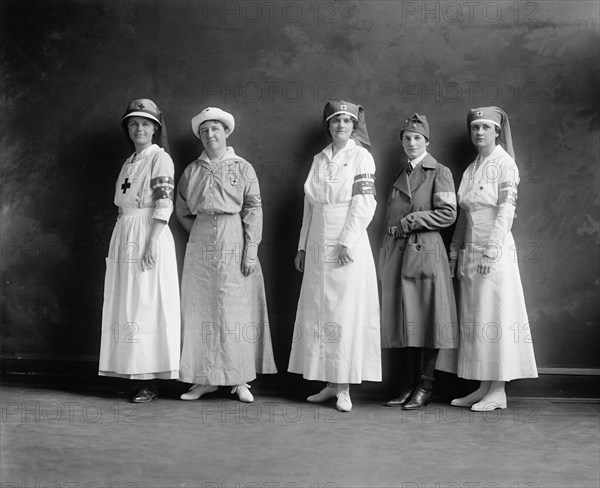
{"x":56,"y":437}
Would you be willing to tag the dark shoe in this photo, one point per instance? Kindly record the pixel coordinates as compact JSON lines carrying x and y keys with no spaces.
{"x":419,"y":399}
{"x":145,"y":395}
{"x":401,"y":399}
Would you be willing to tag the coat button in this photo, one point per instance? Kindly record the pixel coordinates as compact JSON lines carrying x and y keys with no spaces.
{"x":418,"y":247}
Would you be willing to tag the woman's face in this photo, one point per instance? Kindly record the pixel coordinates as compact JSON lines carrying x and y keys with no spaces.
{"x":414,"y":144}
{"x":141,"y":131}
{"x":341,"y":128}
{"x":213,"y":136}
{"x":483,"y":135}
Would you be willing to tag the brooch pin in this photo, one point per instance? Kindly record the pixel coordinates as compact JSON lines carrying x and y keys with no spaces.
{"x":234,"y":181}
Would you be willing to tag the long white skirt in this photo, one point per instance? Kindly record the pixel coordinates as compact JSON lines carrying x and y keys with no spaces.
{"x":337,"y":332}
{"x":141,"y":314}
{"x":495,"y":336}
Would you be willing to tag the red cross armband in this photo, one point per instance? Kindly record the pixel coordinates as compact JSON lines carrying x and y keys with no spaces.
{"x":508,"y":193}
{"x":252,"y":201}
{"x":162,"y":187}
{"x":364,"y":184}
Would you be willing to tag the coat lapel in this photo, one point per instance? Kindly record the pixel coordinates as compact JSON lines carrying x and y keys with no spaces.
{"x":419,"y":174}
{"x":402,"y":184}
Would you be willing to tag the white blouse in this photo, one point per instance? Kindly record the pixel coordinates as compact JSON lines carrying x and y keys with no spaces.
{"x":346,"y":178}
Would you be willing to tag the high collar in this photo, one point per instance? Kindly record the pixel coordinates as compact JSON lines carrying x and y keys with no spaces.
{"x":418,"y":159}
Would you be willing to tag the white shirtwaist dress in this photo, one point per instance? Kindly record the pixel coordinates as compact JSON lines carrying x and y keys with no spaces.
{"x":495,"y":337}
{"x":337,"y":332}
{"x":141,"y":314}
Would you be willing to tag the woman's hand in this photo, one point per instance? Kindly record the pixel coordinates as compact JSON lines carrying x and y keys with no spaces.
{"x":150,"y":255}
{"x":344,"y":256}
{"x":485,"y":265}
{"x":453,"y":265}
{"x":248,"y":266}
{"x":151,"y":251}
{"x":299,"y":260}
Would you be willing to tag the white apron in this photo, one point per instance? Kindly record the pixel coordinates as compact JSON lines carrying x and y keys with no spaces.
{"x":141,"y":312}
{"x":495,"y":336}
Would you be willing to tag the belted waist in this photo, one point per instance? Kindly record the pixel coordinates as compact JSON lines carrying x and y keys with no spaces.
{"x":140,"y":212}
{"x":216,"y":216}
{"x":482,"y":215}
{"x":327,"y":206}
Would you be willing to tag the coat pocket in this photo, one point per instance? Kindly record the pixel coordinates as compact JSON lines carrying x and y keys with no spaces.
{"x":419,"y":259}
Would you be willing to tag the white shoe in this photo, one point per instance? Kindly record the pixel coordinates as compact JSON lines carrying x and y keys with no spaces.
{"x":343,"y":404}
{"x":464,"y":402}
{"x":243,"y":393}
{"x":495,"y":398}
{"x":196,"y":391}
{"x":327,"y":393}
{"x":487,"y":406}
{"x":472,"y":398}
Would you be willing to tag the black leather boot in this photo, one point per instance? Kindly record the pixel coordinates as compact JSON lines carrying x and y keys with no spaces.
{"x":411,"y":367}
{"x":400,"y":400}
{"x":145,"y":394}
{"x":422,"y":394}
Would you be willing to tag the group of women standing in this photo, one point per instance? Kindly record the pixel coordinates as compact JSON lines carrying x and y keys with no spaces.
{"x":219,"y":335}
{"x":340,"y":327}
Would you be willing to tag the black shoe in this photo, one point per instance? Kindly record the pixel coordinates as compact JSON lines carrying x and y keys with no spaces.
{"x":401,"y":399}
{"x":145,"y":395}
{"x":419,"y":399}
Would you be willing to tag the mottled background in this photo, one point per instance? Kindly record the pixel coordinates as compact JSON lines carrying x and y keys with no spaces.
{"x":68,"y":69}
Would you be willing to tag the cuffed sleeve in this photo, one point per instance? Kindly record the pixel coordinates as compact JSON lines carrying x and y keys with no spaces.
{"x":458,"y":238}
{"x":252,"y":217}
{"x":182,"y":210}
{"x":362,"y":207}
{"x":443,"y":213}
{"x":163,"y":186}
{"x":507,"y":199}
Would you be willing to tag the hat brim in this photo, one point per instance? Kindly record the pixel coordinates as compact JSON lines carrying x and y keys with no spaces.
{"x":213,"y":113}
{"x":141,"y":114}
{"x":341,"y":112}
{"x":490,"y":121}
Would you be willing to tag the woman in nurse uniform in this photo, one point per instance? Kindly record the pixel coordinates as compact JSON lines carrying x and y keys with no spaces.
{"x":141,"y":316}
{"x":225,"y":325}
{"x":495,"y":339}
{"x":337,"y":333}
